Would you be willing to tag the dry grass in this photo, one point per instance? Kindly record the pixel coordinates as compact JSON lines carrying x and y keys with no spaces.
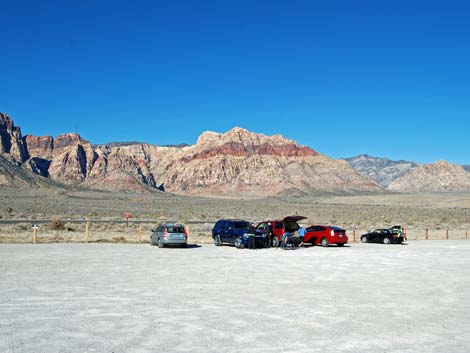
{"x":104,"y":211}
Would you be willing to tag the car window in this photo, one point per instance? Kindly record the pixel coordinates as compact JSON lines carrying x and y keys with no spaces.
{"x":175,"y":229}
{"x":320,"y":229}
{"x":241,"y":225}
{"x":278,"y":225}
{"x":291,"y":226}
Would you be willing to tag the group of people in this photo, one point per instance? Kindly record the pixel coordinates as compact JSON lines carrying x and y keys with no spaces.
{"x":270,"y":236}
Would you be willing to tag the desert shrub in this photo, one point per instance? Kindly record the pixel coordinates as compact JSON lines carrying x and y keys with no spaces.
{"x":119,"y":239}
{"x":56,"y":224}
{"x":9,"y":210}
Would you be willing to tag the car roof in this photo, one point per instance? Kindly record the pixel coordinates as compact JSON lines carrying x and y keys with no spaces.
{"x":288,"y":219}
{"x":172,"y":225}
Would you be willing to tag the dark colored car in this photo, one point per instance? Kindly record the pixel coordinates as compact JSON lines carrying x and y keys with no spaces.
{"x":281,"y":226}
{"x":235,"y":231}
{"x":325,"y":235}
{"x":385,"y":236}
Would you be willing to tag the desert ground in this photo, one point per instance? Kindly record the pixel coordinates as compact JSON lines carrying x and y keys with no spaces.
{"x":62,"y":214}
{"x":125,"y":298}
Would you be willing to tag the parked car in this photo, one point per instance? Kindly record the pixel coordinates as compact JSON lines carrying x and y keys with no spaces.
{"x":385,"y":236}
{"x":325,"y":235}
{"x":169,"y":234}
{"x":281,"y":226}
{"x":235,"y":231}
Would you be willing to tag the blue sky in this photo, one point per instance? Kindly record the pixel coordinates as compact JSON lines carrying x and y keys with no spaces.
{"x":387,"y":78}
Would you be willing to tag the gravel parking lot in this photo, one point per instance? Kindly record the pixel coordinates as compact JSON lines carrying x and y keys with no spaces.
{"x":126,"y":298}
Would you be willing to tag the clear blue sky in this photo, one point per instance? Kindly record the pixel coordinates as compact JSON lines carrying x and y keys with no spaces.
{"x":343,"y":77}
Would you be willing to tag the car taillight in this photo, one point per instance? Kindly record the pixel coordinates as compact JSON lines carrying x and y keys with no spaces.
{"x":186,"y":233}
{"x":165,"y":234}
{"x":332,"y":233}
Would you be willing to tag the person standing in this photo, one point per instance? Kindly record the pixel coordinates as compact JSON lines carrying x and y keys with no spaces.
{"x":302,"y":232}
{"x":252,"y":237}
{"x":268,"y":231}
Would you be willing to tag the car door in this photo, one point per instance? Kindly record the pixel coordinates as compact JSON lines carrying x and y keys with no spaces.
{"x":374,"y":236}
{"x":223,"y":231}
{"x":278,"y":229}
{"x":312,"y":235}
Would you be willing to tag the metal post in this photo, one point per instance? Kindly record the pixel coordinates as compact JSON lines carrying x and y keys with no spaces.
{"x":35,"y":233}
{"x":427,"y":233}
{"x":87,"y":233}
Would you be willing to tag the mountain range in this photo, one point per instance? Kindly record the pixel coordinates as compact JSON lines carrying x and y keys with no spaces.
{"x":238,"y":162}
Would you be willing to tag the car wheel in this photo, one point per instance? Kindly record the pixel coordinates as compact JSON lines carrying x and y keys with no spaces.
{"x":239,"y":243}
{"x":275,"y":242}
{"x":217,"y":241}
{"x":160,"y":244}
{"x":324,"y":242}
{"x":340,"y":244}
{"x":364,"y":239}
{"x":386,"y":241}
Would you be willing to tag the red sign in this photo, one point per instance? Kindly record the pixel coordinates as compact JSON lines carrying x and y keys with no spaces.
{"x":127,"y":215}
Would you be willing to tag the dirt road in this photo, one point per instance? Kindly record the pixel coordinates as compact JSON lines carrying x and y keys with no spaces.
{"x":125,"y":298}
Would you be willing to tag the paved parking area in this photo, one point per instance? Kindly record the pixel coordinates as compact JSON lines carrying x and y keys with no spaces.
{"x":126,"y":298}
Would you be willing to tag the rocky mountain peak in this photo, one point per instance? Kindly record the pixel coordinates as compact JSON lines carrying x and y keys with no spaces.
{"x":11,"y":140}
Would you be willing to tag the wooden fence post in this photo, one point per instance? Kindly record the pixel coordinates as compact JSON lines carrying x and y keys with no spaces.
{"x":447,"y":233}
{"x":466,"y":234}
{"x":427,"y":233}
{"x":35,"y":233}
{"x":140,"y":233}
{"x":87,"y":231}
{"x":354,"y":235}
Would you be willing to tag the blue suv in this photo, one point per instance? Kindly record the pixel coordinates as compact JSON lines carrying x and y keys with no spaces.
{"x":235,"y":231}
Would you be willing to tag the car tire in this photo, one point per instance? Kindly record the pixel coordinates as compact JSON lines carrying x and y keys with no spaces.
{"x":324,"y":242}
{"x":340,"y":244}
{"x":386,"y":241}
{"x":364,"y":239}
{"x":160,"y":244}
{"x":217,"y":241}
{"x":275,"y":242}
{"x":239,"y":243}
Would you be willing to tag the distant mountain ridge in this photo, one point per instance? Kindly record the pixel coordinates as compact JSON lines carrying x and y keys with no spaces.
{"x":237,"y":162}
{"x":440,"y":176}
{"x":406,"y":176}
{"x":383,"y":170}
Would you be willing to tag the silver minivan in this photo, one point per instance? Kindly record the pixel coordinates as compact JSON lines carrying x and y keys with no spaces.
{"x":169,"y":234}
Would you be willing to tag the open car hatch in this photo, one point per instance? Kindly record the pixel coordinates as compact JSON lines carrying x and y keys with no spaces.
{"x":294,"y":218}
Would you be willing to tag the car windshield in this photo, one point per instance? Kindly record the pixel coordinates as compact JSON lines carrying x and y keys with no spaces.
{"x":175,"y":229}
{"x":241,"y":225}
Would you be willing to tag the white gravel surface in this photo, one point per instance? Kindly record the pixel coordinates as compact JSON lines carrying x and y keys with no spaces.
{"x":126,"y":298}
